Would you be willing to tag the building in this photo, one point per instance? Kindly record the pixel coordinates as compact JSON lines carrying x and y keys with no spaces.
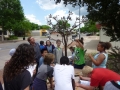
{"x":41,"y":32}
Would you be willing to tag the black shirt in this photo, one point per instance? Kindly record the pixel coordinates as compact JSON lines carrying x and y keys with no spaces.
{"x":20,"y":82}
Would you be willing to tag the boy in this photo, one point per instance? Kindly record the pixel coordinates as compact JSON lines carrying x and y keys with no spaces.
{"x":64,"y":75}
{"x":58,"y":52}
{"x":43,"y":52}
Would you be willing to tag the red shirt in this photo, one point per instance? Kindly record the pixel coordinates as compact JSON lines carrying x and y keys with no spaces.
{"x":100,"y":76}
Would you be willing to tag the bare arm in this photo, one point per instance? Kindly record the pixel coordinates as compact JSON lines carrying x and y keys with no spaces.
{"x":99,"y":60}
{"x":85,"y":78}
{"x":27,"y":88}
{"x":51,"y":82}
{"x":85,"y":86}
{"x":71,"y":44}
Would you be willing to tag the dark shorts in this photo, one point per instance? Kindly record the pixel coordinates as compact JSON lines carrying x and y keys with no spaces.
{"x":79,"y":66}
{"x":39,"y":84}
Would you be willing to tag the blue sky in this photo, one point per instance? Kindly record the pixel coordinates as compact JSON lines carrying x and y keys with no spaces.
{"x":37,"y":11}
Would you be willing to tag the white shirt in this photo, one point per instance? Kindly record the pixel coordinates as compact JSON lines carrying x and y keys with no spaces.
{"x":63,"y":75}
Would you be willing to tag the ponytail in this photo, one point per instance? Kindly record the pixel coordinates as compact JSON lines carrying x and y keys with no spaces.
{"x":106,"y":45}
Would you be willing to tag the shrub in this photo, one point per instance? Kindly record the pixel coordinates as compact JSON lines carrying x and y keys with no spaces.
{"x":12,"y":37}
{"x":114,"y":60}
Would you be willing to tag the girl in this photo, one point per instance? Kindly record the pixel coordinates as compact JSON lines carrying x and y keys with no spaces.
{"x":79,"y":62}
{"x":100,"y":59}
{"x":49,"y":46}
{"x":15,"y":75}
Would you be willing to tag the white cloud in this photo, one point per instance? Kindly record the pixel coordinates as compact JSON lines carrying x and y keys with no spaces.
{"x":61,"y":13}
{"x":48,"y":4}
{"x":33,"y":19}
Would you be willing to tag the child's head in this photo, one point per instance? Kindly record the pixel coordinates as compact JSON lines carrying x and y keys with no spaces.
{"x":72,"y":49}
{"x":102,"y":46}
{"x":48,"y":43}
{"x":58,"y":42}
{"x":49,"y":58}
{"x":64,"y":60}
{"x":41,"y":42}
{"x":44,"y":52}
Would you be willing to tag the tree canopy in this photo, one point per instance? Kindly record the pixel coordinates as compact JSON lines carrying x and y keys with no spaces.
{"x":10,"y":12}
{"x":106,"y":12}
{"x":89,"y":26}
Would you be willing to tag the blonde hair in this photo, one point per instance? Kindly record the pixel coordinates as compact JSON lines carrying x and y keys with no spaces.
{"x":87,"y":70}
{"x":49,"y":58}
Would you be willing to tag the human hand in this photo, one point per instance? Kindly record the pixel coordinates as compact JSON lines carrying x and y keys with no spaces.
{"x":52,"y":86}
{"x":81,"y":77}
{"x":77,"y":84}
{"x":90,"y":55}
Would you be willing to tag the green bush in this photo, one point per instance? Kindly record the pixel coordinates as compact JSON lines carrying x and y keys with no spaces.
{"x":114,"y":60}
{"x":12,"y":37}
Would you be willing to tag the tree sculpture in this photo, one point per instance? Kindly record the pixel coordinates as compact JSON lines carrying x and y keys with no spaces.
{"x":63,"y":28}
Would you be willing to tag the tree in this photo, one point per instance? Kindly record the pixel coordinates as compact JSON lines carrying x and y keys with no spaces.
{"x":106,"y":12}
{"x":89,"y":26}
{"x":11,"y":12}
{"x":45,"y":27}
{"x":63,"y":27}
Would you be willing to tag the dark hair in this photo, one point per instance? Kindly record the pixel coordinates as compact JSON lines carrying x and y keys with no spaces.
{"x":29,"y":39}
{"x":42,"y":51}
{"x":80,"y":40}
{"x":72,"y":48}
{"x":21,"y":59}
{"x":58,"y":40}
{"x":41,"y":42}
{"x":49,"y":58}
{"x":106,"y":45}
{"x":64,"y":60}
{"x":49,"y":41}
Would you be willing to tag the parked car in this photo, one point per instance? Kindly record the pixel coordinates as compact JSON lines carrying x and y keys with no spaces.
{"x":89,"y":34}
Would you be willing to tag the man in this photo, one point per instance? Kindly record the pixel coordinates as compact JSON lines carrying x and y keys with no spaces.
{"x":37,"y":50}
{"x":98,"y":77}
{"x":64,"y":75}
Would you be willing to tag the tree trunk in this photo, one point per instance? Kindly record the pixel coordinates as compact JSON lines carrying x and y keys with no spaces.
{"x":65,"y":42}
{"x":2,"y":36}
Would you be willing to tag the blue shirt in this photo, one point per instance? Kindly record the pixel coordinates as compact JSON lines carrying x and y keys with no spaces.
{"x":41,"y":61}
{"x":42,"y":47}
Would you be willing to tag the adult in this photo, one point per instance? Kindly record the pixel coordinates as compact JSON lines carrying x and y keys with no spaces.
{"x":37,"y":50}
{"x":15,"y":75}
{"x":64,"y":75}
{"x":49,"y":46}
{"x":79,"y":61}
{"x":98,"y":77}
{"x":100,"y":59}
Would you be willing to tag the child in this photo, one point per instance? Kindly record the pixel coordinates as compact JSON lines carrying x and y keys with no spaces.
{"x":45,"y":71}
{"x":64,"y":75}
{"x":43,"y":52}
{"x":58,"y":52}
{"x":42,"y":45}
{"x":72,"y":58}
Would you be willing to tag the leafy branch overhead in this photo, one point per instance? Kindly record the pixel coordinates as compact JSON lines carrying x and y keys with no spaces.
{"x":106,"y":12}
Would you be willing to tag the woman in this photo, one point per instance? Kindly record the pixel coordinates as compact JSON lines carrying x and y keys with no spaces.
{"x":100,"y":59}
{"x":79,"y":62}
{"x":15,"y":75}
{"x":45,"y":71}
{"x":49,"y":46}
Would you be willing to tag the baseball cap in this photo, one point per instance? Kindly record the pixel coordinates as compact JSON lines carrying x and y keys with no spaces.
{"x":12,"y":51}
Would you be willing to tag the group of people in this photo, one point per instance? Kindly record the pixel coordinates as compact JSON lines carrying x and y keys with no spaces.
{"x":48,"y":63}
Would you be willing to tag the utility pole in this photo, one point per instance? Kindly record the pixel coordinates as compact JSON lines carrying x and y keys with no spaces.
{"x":79,"y":21}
